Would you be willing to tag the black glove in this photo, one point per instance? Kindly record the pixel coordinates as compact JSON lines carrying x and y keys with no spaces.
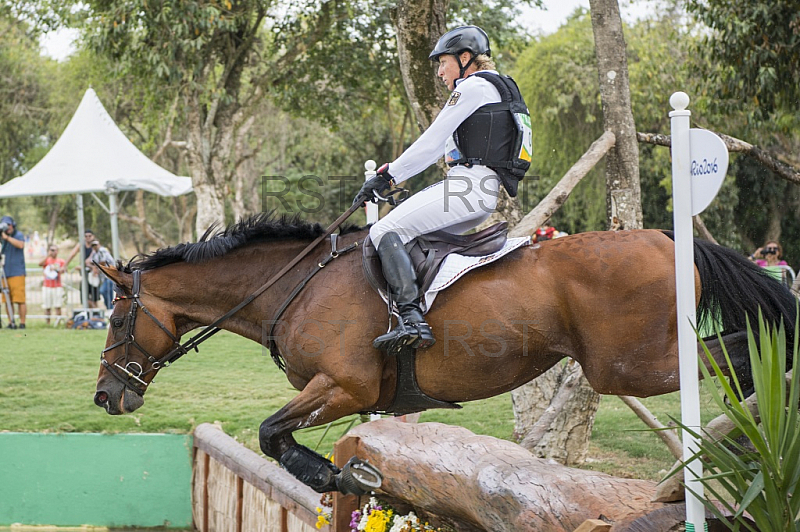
{"x":380,"y":182}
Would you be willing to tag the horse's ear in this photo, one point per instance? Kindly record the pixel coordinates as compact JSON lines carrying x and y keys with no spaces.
{"x":119,"y":277}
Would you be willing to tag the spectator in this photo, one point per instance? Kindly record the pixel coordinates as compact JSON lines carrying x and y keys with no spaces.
{"x":52,"y":290}
{"x":102,"y":256}
{"x":14,"y":267}
{"x":94,"y":292}
{"x":770,"y":254}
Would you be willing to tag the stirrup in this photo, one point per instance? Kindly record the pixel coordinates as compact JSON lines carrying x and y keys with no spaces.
{"x":414,"y":335}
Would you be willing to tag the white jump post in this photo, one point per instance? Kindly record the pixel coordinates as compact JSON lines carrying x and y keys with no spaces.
{"x":699,"y":163}
{"x":372,"y":208}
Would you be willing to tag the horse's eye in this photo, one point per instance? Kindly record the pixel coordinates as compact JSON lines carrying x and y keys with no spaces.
{"x":117,"y":323}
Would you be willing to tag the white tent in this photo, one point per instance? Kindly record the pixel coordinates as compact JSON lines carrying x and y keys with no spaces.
{"x":93,"y":156}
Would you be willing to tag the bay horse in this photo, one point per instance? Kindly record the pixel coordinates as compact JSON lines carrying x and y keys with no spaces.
{"x":605,"y":299}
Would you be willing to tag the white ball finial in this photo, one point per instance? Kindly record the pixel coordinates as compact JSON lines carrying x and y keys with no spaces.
{"x":370,"y":166}
{"x":679,"y":101}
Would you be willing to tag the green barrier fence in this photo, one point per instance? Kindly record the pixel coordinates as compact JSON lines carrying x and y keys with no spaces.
{"x":113,"y":480}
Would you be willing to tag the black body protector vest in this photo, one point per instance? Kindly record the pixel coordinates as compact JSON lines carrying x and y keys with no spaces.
{"x":498,"y":135}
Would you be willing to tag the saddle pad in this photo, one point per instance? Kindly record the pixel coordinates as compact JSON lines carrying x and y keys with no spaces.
{"x":454,"y":266}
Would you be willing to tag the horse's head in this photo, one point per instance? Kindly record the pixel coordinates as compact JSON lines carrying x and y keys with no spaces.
{"x":141,"y":340}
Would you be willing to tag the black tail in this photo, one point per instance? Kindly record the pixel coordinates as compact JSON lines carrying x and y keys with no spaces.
{"x":734,"y":289}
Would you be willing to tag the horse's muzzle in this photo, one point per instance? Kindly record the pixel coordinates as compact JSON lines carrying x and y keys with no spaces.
{"x":123,"y":401}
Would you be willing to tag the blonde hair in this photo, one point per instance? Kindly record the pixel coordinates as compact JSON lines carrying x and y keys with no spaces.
{"x":484,"y":62}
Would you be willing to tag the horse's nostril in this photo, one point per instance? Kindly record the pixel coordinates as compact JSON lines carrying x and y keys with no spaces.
{"x":100,"y":398}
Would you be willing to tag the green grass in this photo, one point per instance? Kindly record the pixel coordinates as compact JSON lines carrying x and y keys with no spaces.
{"x":47,"y":384}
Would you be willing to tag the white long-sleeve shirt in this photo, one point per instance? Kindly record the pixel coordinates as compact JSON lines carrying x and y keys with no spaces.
{"x":469,"y":94}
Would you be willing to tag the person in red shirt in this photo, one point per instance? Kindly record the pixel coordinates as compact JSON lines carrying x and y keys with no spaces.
{"x":52,"y":290}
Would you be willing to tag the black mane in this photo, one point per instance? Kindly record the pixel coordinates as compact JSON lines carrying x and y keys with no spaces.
{"x":262,"y":227}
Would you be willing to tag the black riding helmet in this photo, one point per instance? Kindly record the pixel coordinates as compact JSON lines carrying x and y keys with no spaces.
{"x":462,"y":39}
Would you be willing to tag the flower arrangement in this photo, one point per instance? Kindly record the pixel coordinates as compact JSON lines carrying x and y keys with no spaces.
{"x":324,"y":510}
{"x":376,"y":516}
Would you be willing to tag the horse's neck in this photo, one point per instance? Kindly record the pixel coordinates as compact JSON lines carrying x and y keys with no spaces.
{"x":205,"y":292}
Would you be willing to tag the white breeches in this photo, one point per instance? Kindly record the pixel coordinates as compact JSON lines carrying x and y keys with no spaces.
{"x":462,"y":201}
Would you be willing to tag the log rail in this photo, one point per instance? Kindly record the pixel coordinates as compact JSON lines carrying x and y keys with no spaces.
{"x":236,"y":490}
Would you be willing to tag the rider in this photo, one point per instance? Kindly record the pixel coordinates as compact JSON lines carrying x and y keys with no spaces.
{"x":460,"y":202}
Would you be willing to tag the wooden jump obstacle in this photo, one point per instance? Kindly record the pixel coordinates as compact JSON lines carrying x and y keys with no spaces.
{"x":474,"y":483}
{"x":236,"y":490}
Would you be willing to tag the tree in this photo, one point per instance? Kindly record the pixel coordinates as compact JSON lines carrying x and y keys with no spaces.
{"x":218,"y":59}
{"x":24,"y":92}
{"x":750,"y":55}
{"x":418,"y":26}
{"x":759,"y":45}
{"x":624,"y":197}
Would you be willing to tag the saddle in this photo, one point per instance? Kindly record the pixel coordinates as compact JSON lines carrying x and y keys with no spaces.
{"x":427,"y":253}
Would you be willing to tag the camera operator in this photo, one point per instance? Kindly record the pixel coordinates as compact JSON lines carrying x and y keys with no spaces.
{"x":770,"y":254}
{"x":13,"y":244}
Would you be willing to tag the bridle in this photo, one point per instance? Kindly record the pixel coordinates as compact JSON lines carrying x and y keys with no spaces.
{"x":131,"y":374}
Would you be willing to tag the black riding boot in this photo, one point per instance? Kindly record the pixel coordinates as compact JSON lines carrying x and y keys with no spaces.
{"x":399,"y":273}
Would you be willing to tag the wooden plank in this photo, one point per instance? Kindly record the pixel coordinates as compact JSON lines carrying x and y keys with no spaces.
{"x":206,"y":466}
{"x":593,"y":525}
{"x":199,"y":479}
{"x":275,"y":482}
{"x":239,"y":502}
{"x":344,"y":505}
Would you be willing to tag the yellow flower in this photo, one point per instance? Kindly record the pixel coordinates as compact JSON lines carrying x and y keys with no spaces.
{"x":322,"y":521}
{"x":378,"y":521}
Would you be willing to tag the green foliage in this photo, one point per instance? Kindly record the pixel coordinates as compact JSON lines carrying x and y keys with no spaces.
{"x":558,"y":78}
{"x":175,"y":41}
{"x":757,"y":48}
{"x":24,"y":90}
{"x":565,"y":121}
{"x":762,"y":482}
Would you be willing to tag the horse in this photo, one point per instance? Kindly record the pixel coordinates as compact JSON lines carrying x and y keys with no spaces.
{"x":604,"y":299}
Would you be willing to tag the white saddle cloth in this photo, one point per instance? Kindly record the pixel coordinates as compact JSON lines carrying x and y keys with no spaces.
{"x":454,"y":266}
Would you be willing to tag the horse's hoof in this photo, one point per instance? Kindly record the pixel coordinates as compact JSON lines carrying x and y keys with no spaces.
{"x":358,"y":478}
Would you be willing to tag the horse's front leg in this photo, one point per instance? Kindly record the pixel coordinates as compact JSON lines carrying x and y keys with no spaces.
{"x":321,"y":401}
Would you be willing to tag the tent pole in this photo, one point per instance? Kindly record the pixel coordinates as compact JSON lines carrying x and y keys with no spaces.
{"x":113,"y":208}
{"x":82,"y":265}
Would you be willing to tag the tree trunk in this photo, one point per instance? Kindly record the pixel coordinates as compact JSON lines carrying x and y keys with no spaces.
{"x":554,"y":414}
{"x":55,"y":209}
{"x":624,"y":199}
{"x":208,"y":187}
{"x":419,"y":24}
{"x":491,"y":484}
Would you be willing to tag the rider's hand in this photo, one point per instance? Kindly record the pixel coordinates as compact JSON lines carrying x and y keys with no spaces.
{"x":380,"y":182}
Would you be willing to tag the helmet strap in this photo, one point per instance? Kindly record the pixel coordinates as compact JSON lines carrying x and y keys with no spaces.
{"x":463,"y":68}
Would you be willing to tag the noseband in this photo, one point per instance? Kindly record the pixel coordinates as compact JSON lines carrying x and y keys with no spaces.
{"x":131,"y":373}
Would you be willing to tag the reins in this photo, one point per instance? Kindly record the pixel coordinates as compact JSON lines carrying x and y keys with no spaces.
{"x":134,"y":371}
